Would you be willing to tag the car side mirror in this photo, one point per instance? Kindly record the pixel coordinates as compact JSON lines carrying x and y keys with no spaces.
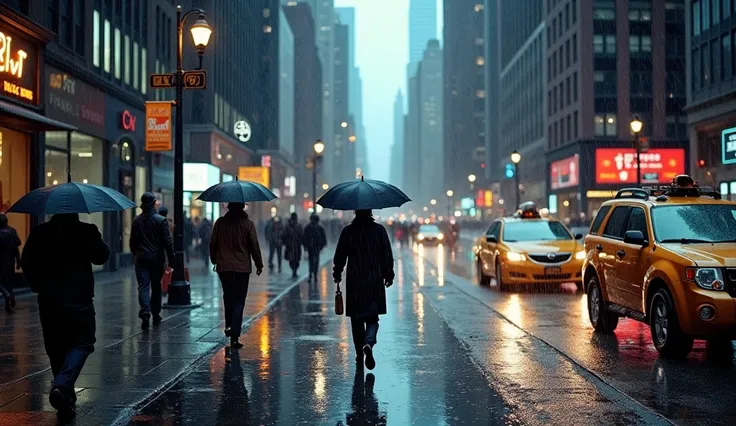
{"x":578,"y":236}
{"x":635,"y":238}
{"x":491,"y":239}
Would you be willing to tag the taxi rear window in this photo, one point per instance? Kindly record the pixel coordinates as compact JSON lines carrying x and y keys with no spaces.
{"x":598,"y":220}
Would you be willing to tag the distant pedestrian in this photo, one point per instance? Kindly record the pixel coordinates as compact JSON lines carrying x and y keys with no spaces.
{"x":164,"y":211}
{"x":315,"y":240}
{"x":205,"y":234}
{"x":9,"y":260}
{"x":57,"y":263}
{"x":188,"y":236}
{"x":365,"y":247}
{"x":274,"y":229}
{"x":234,"y":243}
{"x":292,"y":238}
{"x":151,"y":244}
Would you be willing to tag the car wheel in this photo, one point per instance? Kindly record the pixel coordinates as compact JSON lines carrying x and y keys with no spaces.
{"x":667,"y":336}
{"x":483,"y":279}
{"x":601,"y":319}
{"x":500,"y":285}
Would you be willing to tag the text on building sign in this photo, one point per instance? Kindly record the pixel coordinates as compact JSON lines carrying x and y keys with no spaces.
{"x":128,"y":121}
{"x":11,"y":62}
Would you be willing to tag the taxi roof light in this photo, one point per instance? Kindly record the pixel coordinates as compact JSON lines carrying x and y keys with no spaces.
{"x":528,"y":210}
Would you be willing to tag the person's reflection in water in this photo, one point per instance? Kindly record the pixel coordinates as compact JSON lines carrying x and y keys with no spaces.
{"x":364,"y":402}
{"x":234,"y":407}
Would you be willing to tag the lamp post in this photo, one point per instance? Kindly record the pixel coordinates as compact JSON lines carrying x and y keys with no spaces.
{"x":636,"y":126}
{"x":450,"y":193}
{"x":319,"y":148}
{"x":179,"y":290}
{"x":471,"y":180}
{"x":516,"y":159}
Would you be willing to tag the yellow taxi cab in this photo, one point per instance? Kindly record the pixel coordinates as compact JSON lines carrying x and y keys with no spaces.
{"x":665,"y":256}
{"x":528,"y":249}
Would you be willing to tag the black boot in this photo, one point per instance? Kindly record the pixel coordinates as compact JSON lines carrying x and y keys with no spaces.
{"x":8,"y":306}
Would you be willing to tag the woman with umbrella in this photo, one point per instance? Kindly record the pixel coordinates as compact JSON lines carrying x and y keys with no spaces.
{"x":233,"y":245}
{"x":365,"y":247}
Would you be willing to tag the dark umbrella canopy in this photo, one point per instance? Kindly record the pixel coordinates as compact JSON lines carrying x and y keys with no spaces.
{"x":363,"y":195}
{"x":237,"y":191}
{"x":71,"y":197}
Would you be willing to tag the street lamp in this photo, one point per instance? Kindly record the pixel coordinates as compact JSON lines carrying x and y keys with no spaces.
{"x":433,"y":201}
{"x":636,"y":126}
{"x":352,"y":138}
{"x":344,"y":124}
{"x":319,"y":148}
{"x":179,"y":290}
{"x":471,"y":180}
{"x":516,"y":159}
{"x":325,"y":186}
{"x":450,"y":193}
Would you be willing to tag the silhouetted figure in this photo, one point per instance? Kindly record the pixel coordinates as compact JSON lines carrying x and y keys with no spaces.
{"x":205,"y":234}
{"x":9,"y":259}
{"x":274,"y":231}
{"x":314,"y":241}
{"x":364,"y":403}
{"x":292,"y":237}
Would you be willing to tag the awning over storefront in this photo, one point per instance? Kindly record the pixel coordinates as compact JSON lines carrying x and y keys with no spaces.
{"x":22,"y":119}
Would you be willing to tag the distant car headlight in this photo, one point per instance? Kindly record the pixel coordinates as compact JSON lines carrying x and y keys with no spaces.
{"x":515,"y":257}
{"x":440,"y":236}
{"x":420,"y":236}
{"x":580,"y":255}
{"x":707,"y":278}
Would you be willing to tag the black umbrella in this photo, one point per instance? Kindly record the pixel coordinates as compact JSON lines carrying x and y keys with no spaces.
{"x":237,"y":191}
{"x":363,"y":195}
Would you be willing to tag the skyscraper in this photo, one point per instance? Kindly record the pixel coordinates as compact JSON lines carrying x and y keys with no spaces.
{"x":397,"y":146}
{"x":431,"y":134}
{"x":343,"y":126}
{"x":422,"y":28}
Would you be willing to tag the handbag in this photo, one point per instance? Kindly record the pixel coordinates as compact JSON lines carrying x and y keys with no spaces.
{"x":166,"y":280}
{"x":339,"y":308}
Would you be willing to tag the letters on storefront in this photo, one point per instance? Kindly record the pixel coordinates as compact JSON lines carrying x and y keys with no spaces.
{"x":18,"y":68}
{"x":158,"y":126}
{"x":618,"y":166}
{"x":75,"y":102}
{"x":127,"y":121}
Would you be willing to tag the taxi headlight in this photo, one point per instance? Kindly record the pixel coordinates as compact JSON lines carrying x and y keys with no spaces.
{"x":515,"y":257}
{"x":420,"y":236}
{"x":707,"y":278}
{"x":580,"y":255}
{"x":440,"y":236}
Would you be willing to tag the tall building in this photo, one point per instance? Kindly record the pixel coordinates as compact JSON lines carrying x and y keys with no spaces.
{"x":711,"y":112}
{"x":464,"y":94}
{"x":397,"y":146}
{"x":430,"y":84}
{"x":307,"y":93}
{"x":343,"y":150}
{"x":634,"y":69}
{"x":412,"y":137}
{"x":422,"y":28}
{"x":493,"y":171}
{"x":521,"y":98}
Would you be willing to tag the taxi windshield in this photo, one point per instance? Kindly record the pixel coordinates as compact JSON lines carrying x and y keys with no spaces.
{"x":695,"y":223}
{"x":537,"y":230}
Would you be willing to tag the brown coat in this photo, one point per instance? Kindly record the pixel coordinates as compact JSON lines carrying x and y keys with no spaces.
{"x":171,"y":226}
{"x":234,"y":242}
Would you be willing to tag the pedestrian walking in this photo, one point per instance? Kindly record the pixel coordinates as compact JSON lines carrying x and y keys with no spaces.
{"x":164,"y":211}
{"x":365,"y":247}
{"x":9,"y":259}
{"x":315,"y":240}
{"x":274,"y":229}
{"x":57,"y":263}
{"x":188,"y":236}
{"x":233,"y":245}
{"x":292,"y":239}
{"x":205,"y":234}
{"x":151,"y":244}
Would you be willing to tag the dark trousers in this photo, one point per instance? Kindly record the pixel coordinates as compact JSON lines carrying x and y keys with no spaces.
{"x":149,"y":273}
{"x":6,"y":288}
{"x":365,"y":332}
{"x":69,"y":338}
{"x":274,"y":249}
{"x":234,"y":292}
{"x":313,"y":262}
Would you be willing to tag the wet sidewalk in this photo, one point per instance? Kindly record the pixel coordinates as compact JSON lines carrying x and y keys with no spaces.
{"x":297,"y":367}
{"x":129,"y":365}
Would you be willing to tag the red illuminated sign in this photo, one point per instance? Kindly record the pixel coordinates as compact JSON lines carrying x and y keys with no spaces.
{"x":128,"y":121}
{"x":480,"y":198}
{"x":266,"y":161}
{"x":657,"y":165}
{"x":565,"y":173}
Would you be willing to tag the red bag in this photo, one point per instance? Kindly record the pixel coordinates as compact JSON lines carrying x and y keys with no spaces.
{"x":168,"y":275}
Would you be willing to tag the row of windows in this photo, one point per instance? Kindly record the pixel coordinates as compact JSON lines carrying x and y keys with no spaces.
{"x":641,"y":14}
{"x":707,"y":13}
{"x":112,"y":51}
{"x":66,"y":18}
{"x":564,"y":130}
{"x":567,"y":51}
{"x":605,"y":124}
{"x":604,"y":45}
{"x":714,"y":62}
{"x":225,"y":115}
{"x":563,"y":95}
{"x":557,"y":27}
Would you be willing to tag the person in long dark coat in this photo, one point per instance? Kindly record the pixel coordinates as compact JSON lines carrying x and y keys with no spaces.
{"x":365,"y":246}
{"x":293,"y":243}
{"x":314,"y":241}
{"x":57,"y":263}
{"x":274,"y":229}
{"x":9,"y":259}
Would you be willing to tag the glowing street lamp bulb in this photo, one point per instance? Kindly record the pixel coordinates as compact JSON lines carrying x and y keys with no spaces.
{"x":636,"y":124}
{"x":515,"y":157}
{"x":201,"y":32}
{"x":306,"y":195}
{"x":471,"y":178}
{"x":325,"y":187}
{"x":433,"y":202}
{"x":426,"y":208}
{"x":450,"y":192}
{"x":319,"y":147}
{"x":344,"y":124}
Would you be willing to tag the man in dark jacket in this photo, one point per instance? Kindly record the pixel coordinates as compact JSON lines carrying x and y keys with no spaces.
{"x":57,"y":263}
{"x":365,"y":247}
{"x":292,"y":239}
{"x":314,"y":241}
{"x":9,"y":259}
{"x":274,"y":228}
{"x":151,"y":244}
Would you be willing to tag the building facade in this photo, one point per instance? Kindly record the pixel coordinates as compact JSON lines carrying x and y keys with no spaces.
{"x":493,"y":171}
{"x":397,"y":146}
{"x":343,"y":152}
{"x":635,"y":68}
{"x":422,"y":28}
{"x":430,"y":91}
{"x":412,"y":137}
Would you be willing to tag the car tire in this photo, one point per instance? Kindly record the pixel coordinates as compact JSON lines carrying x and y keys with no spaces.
{"x":483,"y":279}
{"x":602,"y":320}
{"x":668,"y":338}
{"x":500,"y":285}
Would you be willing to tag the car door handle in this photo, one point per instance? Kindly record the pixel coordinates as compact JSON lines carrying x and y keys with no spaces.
{"x":621,"y":253}
{"x":599,"y":247}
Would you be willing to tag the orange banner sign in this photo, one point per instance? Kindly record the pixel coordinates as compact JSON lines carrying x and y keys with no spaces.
{"x":255,"y":174}
{"x":158,"y":126}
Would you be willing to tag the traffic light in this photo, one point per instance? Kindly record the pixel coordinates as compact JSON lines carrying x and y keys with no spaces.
{"x":510,"y":171}
{"x":701,"y":164}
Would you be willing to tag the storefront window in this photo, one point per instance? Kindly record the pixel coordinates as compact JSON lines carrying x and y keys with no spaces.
{"x":14,"y":174}
{"x":56,"y":172}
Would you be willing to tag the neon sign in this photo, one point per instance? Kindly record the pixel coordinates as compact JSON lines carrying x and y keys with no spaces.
{"x":9,"y":64}
{"x":18,"y":74}
{"x":128,"y":121}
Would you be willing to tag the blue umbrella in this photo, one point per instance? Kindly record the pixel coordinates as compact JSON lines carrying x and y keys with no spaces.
{"x":363,"y":195}
{"x":71,"y":197}
{"x":237,"y":191}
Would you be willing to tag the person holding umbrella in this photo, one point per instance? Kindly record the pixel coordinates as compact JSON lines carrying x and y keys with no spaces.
{"x":57,"y":263}
{"x":365,"y":247}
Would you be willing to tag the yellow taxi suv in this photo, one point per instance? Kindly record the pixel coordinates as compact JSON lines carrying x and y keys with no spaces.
{"x":665,"y":256}
{"x":528,"y":249}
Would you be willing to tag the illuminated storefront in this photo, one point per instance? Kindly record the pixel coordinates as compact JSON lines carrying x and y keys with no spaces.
{"x":197,"y":178}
